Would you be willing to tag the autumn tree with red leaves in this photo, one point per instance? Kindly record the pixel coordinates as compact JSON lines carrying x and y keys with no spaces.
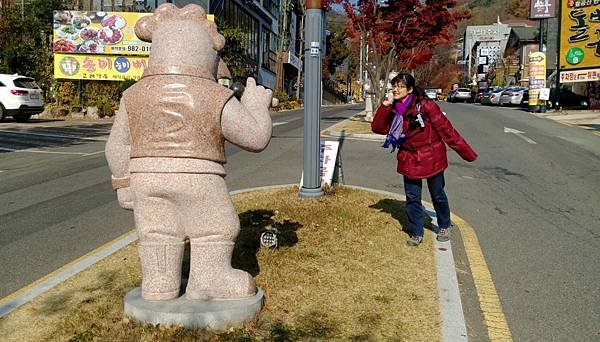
{"x":400,"y":35}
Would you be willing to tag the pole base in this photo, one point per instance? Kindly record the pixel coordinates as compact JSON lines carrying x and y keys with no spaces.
{"x":311,"y":193}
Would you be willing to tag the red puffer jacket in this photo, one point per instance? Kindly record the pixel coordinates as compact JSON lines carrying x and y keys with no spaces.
{"x":423,"y":153}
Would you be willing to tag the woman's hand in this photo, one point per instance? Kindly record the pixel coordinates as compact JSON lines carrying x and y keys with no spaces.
{"x":386,"y":103}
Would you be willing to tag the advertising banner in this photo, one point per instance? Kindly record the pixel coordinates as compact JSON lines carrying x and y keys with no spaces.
{"x":579,"y":35}
{"x":588,"y":75}
{"x":99,"y":67}
{"x":541,"y":9}
{"x":537,"y":77}
{"x":98,"y":33}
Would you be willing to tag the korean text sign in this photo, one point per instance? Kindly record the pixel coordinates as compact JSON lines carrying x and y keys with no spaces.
{"x":99,"y":67}
{"x":579,"y":34}
{"x":541,"y":9}
{"x":537,"y":76}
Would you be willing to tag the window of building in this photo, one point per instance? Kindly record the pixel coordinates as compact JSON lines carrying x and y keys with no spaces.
{"x":272,"y":6}
{"x":269,"y":50}
{"x":234,"y":16}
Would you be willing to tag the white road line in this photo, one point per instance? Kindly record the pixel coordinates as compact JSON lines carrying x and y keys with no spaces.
{"x":55,"y":136}
{"x":519,"y":134}
{"x":92,"y":153}
{"x":526,"y":139}
{"x":279,"y":123}
{"x":68,"y":127}
{"x":38,"y":151}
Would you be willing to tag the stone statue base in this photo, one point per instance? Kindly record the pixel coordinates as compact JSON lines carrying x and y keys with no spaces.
{"x":217,"y":314}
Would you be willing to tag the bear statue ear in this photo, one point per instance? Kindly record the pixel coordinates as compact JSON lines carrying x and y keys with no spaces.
{"x":144,"y":28}
{"x":193,"y":12}
{"x":218,"y":42}
{"x":146,"y":25}
{"x":217,"y":38}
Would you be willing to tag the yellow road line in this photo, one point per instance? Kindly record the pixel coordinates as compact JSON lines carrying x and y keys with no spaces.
{"x":489,"y":301}
{"x":55,"y":272}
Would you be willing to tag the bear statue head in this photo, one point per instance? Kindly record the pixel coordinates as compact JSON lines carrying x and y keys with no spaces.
{"x":181,"y":38}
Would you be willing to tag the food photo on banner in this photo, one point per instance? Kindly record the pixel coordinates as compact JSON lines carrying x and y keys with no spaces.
{"x":98,"y":33}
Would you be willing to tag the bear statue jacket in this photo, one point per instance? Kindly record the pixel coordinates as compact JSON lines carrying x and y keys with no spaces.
{"x":423,"y":153}
{"x":180,"y":116}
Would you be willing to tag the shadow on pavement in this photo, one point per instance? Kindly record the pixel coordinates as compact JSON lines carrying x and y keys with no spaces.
{"x":29,"y":135}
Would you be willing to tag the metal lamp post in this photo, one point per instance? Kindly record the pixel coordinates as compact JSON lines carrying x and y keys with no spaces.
{"x":313,"y":30}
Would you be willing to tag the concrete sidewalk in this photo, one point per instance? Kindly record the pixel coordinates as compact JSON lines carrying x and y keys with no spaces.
{"x":586,"y":119}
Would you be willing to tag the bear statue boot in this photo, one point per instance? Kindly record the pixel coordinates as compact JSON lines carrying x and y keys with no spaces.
{"x":211,"y":274}
{"x":161,"y":269}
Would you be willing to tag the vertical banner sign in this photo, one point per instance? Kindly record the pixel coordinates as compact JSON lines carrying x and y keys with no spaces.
{"x":542,"y":9}
{"x":579,"y":38}
{"x":537,"y":77}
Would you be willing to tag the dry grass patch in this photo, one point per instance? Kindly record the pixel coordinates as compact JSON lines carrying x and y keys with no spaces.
{"x":342,"y":272}
{"x":355,"y":124}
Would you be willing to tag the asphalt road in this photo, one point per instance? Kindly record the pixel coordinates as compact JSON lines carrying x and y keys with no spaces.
{"x":532,"y":198}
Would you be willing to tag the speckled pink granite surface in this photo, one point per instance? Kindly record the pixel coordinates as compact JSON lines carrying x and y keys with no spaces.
{"x":166,"y":156}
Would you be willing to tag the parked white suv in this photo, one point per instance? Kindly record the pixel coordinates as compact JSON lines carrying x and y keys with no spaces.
{"x":20,"y":97}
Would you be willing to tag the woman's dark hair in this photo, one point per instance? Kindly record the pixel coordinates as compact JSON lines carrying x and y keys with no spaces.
{"x":409,"y":81}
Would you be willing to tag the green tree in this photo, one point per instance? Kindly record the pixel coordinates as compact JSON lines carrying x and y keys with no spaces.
{"x":234,"y":52}
{"x":337,"y":50}
{"x":26,"y":40}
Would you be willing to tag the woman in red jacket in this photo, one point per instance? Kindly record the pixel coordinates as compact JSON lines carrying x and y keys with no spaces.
{"x":418,"y":128}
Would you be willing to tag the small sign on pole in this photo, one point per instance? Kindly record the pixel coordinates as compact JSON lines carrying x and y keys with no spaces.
{"x":328,"y":161}
{"x":315,"y":49}
{"x":544,"y":94}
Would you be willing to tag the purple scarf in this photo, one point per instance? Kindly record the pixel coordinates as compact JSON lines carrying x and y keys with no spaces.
{"x":395,"y":136}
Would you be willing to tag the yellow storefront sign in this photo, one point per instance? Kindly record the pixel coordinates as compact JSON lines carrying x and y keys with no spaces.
{"x":99,"y":67}
{"x":98,"y":33}
{"x":579,"y":34}
{"x":537,"y":77}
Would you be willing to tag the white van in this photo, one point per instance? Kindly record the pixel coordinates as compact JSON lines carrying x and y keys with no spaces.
{"x":20,"y":97}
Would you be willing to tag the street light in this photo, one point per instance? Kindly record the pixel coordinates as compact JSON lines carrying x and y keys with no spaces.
{"x":311,"y":180}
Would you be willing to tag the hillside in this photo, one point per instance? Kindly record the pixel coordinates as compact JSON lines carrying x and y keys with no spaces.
{"x":485,"y":12}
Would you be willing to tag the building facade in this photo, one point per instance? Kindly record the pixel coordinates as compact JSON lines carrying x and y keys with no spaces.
{"x":483,"y":45}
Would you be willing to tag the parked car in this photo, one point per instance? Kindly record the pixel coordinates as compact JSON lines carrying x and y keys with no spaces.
{"x":481,"y":93}
{"x":20,"y":97}
{"x":568,"y":99}
{"x":431,"y":93}
{"x":462,"y":95}
{"x":512,"y":96}
{"x":492,"y":97}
